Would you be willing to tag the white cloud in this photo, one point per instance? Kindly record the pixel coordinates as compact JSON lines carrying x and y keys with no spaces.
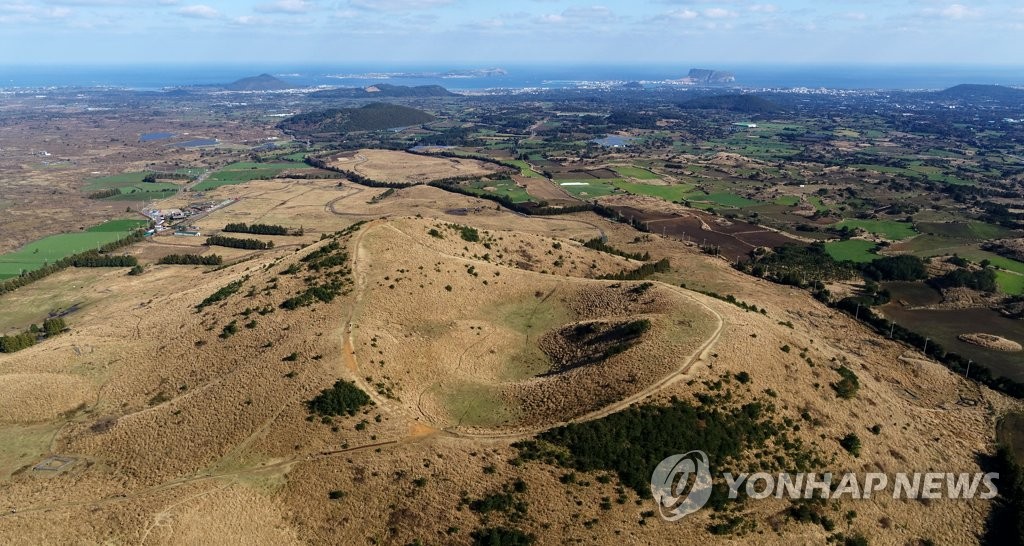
{"x":397,"y":5}
{"x":954,"y":12}
{"x":719,"y":13}
{"x":682,"y":14}
{"x":198,"y":11}
{"x":286,"y":6}
{"x":764,"y":8}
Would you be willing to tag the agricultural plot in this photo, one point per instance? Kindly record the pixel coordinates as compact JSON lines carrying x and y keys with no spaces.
{"x":241,"y":172}
{"x":724,"y":199}
{"x":504,"y":188}
{"x":131,"y":187}
{"x":524,"y":168}
{"x":589,"y":188}
{"x":50,"y":249}
{"x":853,"y":250}
{"x":890,"y":229}
{"x":1009,"y":282}
{"x":676,"y":192}
{"x":635,"y":172}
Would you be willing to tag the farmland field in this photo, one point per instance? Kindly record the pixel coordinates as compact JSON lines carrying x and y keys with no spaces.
{"x":591,"y":188}
{"x":676,"y":192}
{"x":525,"y":169}
{"x":504,"y":188}
{"x":724,"y":199}
{"x":131,"y":187}
{"x":890,"y":229}
{"x":50,"y":249}
{"x":853,"y":250}
{"x":241,"y":172}
{"x":636,"y":172}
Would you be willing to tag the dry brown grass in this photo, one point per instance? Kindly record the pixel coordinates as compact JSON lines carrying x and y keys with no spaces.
{"x":178,"y":438}
{"x":393,"y":166}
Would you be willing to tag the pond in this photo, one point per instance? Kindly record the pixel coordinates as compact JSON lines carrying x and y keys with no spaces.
{"x":615,"y":141}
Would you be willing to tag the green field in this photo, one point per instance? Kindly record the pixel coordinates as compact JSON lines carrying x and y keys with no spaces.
{"x":853,"y":250}
{"x":132,"y":187}
{"x":116,"y":181}
{"x":504,"y":188}
{"x":725,"y":199}
{"x":524,"y":168}
{"x":239,"y":173}
{"x":787,"y":200}
{"x":976,"y":231}
{"x":890,"y":229}
{"x":1010,"y":283}
{"x":589,"y":188}
{"x":50,"y":249}
{"x":636,"y":172}
{"x":676,"y":192}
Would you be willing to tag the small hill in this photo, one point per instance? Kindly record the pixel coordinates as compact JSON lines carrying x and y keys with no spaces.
{"x":982,"y":93}
{"x":746,"y":104}
{"x":263,"y":82}
{"x":384,"y":90}
{"x":706,"y":76}
{"x":372,"y":117}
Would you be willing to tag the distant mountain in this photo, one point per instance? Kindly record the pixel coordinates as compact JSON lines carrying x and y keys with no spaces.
{"x":372,"y":117}
{"x":706,"y":76}
{"x":263,"y":82}
{"x":982,"y":93}
{"x":384,"y":90}
{"x":745,"y":104}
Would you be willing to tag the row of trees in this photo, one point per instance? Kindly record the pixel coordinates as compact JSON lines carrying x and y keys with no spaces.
{"x":95,"y":259}
{"x":261,"y":229}
{"x":191,"y":259}
{"x":51,"y":327}
{"x":234,"y":242}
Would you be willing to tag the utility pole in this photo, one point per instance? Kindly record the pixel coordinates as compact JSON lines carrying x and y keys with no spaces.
{"x":892,"y":327}
{"x":856,"y":315}
{"x":967,"y":374}
{"x":926,"y":340}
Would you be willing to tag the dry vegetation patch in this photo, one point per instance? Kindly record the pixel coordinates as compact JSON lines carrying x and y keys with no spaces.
{"x":395,"y":166}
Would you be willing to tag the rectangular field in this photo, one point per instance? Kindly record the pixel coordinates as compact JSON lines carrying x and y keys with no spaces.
{"x":636,"y":172}
{"x":50,"y":249}
{"x":853,"y":250}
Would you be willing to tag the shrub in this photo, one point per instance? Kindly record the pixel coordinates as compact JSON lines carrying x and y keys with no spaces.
{"x":848,"y":385}
{"x":851,"y":443}
{"x":344,"y":398}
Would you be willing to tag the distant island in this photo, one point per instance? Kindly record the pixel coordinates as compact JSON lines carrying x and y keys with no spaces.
{"x":263,"y":82}
{"x":384,"y":90}
{"x":372,"y":117}
{"x":704,"y":76}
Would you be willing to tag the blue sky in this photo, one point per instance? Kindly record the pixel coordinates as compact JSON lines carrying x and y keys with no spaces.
{"x":475,"y":32}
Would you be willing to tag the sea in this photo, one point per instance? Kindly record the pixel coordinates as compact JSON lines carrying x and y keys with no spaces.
{"x":477,"y":78}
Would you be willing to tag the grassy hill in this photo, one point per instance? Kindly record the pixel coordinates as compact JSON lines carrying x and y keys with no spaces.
{"x":372,"y":117}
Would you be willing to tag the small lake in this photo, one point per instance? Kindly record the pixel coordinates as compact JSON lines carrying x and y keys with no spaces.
{"x":149,"y":137}
{"x":615,"y":141}
{"x":945,"y":325}
{"x":199,"y":142}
